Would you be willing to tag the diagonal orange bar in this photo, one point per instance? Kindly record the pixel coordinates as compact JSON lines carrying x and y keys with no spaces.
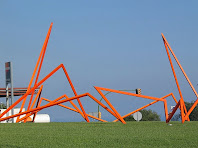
{"x":174,"y":74}
{"x":75,"y":93}
{"x":101,"y":104}
{"x":173,"y":112}
{"x":171,"y":94}
{"x":132,"y":94}
{"x":52,"y":103}
{"x":45,"y":106}
{"x":76,"y":110}
{"x":111,"y":106}
{"x":182,"y":106}
{"x":31,"y":90}
{"x":41,"y":60}
{"x":29,"y":114}
{"x":38,"y":61}
{"x":185,"y":75}
{"x":37,"y":96}
{"x":128,"y":93}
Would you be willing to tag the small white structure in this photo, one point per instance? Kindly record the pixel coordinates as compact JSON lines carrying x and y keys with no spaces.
{"x":40,"y":118}
{"x":137,"y":116}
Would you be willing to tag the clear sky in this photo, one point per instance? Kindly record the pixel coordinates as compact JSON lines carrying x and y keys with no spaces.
{"x":113,"y":44}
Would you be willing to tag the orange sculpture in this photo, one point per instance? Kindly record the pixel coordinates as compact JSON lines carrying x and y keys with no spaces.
{"x":33,"y":109}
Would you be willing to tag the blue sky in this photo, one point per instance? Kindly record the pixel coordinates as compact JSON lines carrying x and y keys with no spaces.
{"x":112,"y":44}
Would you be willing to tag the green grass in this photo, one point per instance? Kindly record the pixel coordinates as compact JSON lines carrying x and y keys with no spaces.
{"x":96,"y":134}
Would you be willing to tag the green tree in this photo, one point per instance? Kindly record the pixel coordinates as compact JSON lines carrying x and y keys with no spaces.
{"x":2,"y":106}
{"x":147,"y":115}
{"x":194,"y":114}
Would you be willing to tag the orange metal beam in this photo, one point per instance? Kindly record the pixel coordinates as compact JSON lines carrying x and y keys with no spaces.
{"x":171,"y":94}
{"x":31,"y":90}
{"x":34,"y":72}
{"x":54,"y":102}
{"x":167,"y":47}
{"x":76,"y":110}
{"x":128,"y":93}
{"x":188,"y":80}
{"x":132,"y":94}
{"x":185,"y":75}
{"x":39,"y":103}
{"x":37,"y":96}
{"x":111,"y":106}
{"x":43,"y":107}
{"x":41,"y":62}
{"x":101,"y":104}
{"x":75,"y":93}
{"x":173,"y":112}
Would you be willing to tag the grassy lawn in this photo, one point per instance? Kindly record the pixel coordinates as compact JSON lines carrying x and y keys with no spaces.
{"x":96,"y":134}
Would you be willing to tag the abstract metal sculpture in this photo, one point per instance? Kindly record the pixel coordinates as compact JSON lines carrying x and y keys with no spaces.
{"x":184,"y":113}
{"x":31,"y":110}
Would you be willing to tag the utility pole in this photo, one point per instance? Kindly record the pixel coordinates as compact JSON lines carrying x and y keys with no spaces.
{"x":9,"y":80}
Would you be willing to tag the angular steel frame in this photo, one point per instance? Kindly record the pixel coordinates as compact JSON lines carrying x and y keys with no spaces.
{"x":184,"y":113}
{"x":58,"y":101}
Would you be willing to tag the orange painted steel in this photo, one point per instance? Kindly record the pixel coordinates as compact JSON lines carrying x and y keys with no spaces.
{"x":101,"y":104}
{"x":38,"y":84}
{"x":111,"y":106}
{"x":42,"y":55}
{"x":87,"y":94}
{"x":173,"y":112}
{"x":39,"y":63}
{"x":46,"y":106}
{"x":143,"y":107}
{"x":33,"y":111}
{"x":76,"y":110}
{"x":184,"y":116}
{"x":37,"y":96}
{"x":36,"y":67}
{"x":38,"y":102}
{"x":32,"y":89}
{"x":136,"y":95}
{"x":128,"y":93}
{"x":75,"y":93}
{"x":177,"y":83}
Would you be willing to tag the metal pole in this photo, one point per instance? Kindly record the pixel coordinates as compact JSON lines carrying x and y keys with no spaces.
{"x":12,"y":93}
{"x":7,"y":96}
